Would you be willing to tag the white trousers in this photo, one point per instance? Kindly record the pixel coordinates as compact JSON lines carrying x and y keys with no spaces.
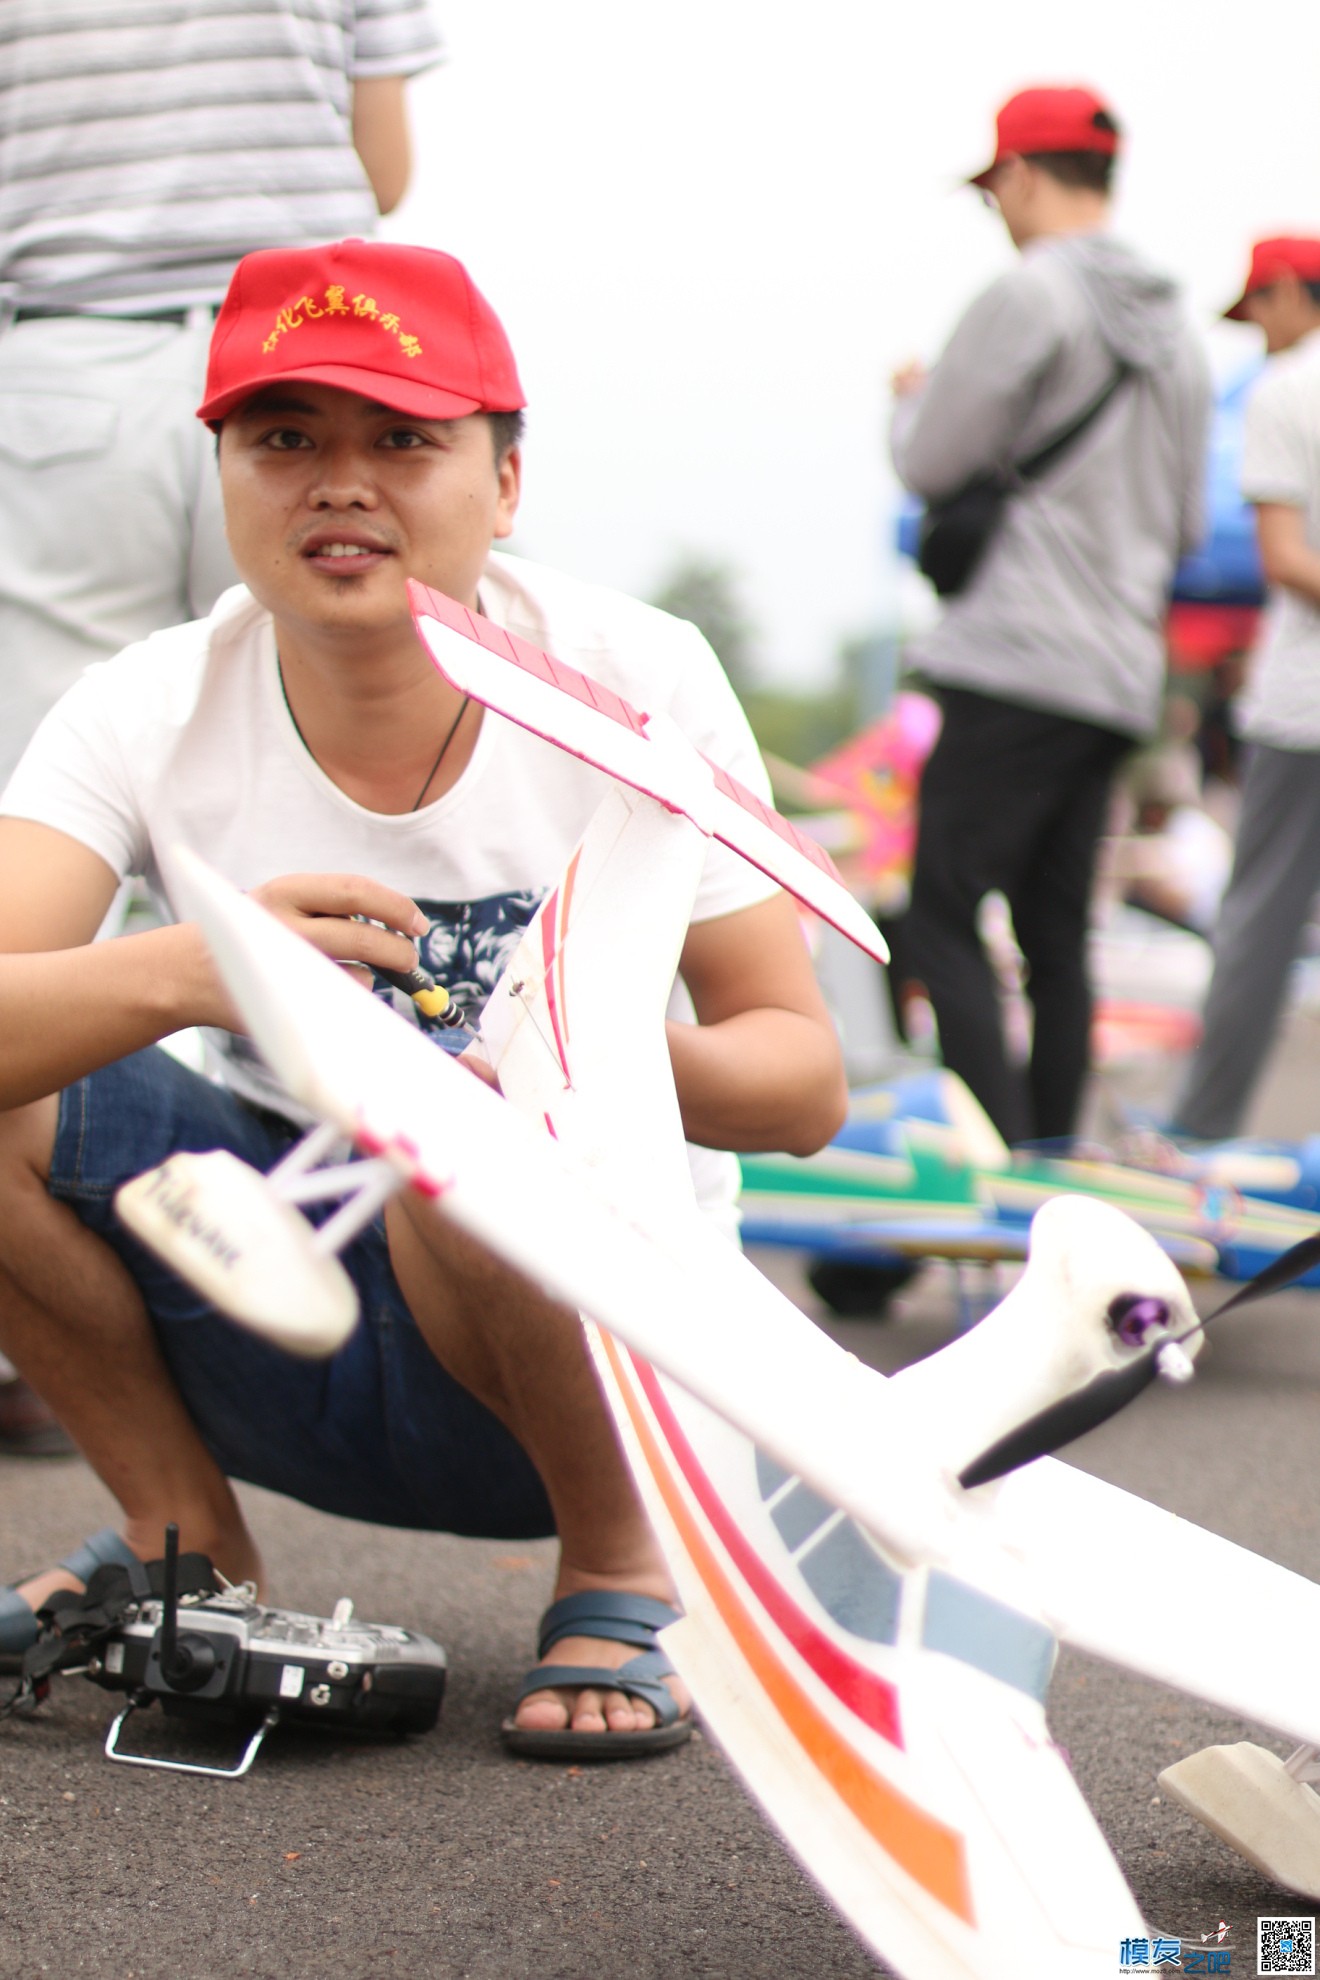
{"x":110,"y":522}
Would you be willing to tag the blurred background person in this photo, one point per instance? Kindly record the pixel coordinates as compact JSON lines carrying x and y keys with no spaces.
{"x":1170,"y":857}
{"x":1050,"y":661}
{"x":142,"y":152}
{"x":1276,"y":866}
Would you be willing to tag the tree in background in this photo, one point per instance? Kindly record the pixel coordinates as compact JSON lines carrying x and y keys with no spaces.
{"x":799,"y":726}
{"x":705,"y":590}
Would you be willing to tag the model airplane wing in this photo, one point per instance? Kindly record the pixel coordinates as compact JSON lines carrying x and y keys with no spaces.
{"x":566,"y":707}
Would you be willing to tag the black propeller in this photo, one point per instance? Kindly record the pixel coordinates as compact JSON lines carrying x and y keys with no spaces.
{"x":1106,"y":1394}
{"x":1063,"y":1421}
{"x":1287,"y":1268}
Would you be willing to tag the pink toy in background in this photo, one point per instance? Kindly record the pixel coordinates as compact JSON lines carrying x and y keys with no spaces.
{"x":877,"y":775}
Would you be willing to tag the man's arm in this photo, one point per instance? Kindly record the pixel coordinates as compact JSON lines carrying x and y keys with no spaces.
{"x":66,"y":1005}
{"x":1194,"y":445}
{"x":1286,"y":557}
{"x":966,"y":417}
{"x":380,"y":137}
{"x":762,"y":1068}
{"x":69,"y":1004}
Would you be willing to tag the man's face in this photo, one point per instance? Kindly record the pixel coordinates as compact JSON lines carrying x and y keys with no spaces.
{"x":1009,"y":187}
{"x":332,"y":501}
{"x":1280,"y":312}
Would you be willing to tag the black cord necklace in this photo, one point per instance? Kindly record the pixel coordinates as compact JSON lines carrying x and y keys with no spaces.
{"x":452,"y":731}
{"x":416,"y":804}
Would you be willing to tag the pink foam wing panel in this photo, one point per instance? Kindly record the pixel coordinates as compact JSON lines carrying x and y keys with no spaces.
{"x":569,"y":708}
{"x":542,"y":694}
{"x":774,"y":821}
{"x":533,"y":660}
{"x":782,"y":851}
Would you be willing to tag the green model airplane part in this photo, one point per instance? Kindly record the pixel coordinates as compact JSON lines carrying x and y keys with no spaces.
{"x":919,"y":1171}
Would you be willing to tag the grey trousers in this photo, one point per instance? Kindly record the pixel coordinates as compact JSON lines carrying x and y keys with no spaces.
{"x":1276,"y":873}
{"x":110,"y":522}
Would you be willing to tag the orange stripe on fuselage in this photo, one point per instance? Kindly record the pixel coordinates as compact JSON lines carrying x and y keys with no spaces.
{"x":930,"y":1852}
{"x":565,"y":907}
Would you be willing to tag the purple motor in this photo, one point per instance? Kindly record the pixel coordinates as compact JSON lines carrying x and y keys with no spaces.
{"x":1134,"y":1316}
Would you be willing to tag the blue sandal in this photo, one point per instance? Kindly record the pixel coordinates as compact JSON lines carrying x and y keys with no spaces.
{"x":18,"y":1623}
{"x":618,"y":1618}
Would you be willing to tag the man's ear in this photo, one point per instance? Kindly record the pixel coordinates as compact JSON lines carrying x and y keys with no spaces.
{"x":509,"y":471}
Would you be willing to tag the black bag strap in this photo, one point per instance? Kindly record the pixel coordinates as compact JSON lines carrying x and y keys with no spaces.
{"x":1045,"y":457}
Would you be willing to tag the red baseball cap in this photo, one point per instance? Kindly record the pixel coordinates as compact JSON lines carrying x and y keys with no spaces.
{"x":405,"y":326}
{"x":1286,"y":254}
{"x":1052,"y":120}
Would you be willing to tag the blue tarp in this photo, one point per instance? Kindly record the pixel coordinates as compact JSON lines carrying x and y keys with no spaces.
{"x":1226,"y":568}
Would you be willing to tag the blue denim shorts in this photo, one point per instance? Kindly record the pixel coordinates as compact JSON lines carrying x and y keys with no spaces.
{"x":379,"y":1431}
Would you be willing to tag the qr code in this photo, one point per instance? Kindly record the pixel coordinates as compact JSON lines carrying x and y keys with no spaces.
{"x":1285,"y":1945}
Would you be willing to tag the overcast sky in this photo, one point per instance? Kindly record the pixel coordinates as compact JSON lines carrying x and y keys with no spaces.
{"x":713,"y":228}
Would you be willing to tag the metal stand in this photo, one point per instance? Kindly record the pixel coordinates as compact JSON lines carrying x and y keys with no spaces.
{"x":246,"y":1758}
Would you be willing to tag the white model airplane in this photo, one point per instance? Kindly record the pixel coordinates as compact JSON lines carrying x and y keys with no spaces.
{"x":875,"y":1573}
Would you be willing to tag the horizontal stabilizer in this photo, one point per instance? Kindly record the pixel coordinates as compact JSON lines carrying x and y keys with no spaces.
{"x":1251,"y":1800}
{"x":589,"y":720}
{"x":768,"y":840}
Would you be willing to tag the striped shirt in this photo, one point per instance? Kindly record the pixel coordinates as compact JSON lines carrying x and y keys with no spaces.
{"x":146,"y":145}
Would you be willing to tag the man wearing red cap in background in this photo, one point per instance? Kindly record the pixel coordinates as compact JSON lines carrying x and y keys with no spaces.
{"x":368,"y":411}
{"x":1276,"y":865}
{"x":1050,"y":661}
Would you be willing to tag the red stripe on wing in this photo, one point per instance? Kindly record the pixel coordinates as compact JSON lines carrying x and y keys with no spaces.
{"x":765,"y":814}
{"x":510,"y":646}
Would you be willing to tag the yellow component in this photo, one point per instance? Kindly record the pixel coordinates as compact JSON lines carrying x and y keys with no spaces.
{"x":432,"y":1003}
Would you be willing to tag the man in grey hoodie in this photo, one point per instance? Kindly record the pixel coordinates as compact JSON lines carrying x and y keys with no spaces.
{"x":1050,"y":663}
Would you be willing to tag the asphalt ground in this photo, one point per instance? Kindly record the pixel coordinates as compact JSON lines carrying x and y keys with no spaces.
{"x":441,"y":1856}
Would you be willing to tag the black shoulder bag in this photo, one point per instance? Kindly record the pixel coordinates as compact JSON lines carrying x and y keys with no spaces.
{"x":956,"y":532}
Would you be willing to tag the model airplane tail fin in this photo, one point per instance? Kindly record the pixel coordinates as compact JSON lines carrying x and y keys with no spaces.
{"x":589,"y":720}
{"x":575,"y":1027}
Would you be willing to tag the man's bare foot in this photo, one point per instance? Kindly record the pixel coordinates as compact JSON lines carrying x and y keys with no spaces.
{"x":589,"y":1709}
{"x":235,"y":1557}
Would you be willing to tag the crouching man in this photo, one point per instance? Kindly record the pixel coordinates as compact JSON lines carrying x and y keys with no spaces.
{"x":368,"y":411}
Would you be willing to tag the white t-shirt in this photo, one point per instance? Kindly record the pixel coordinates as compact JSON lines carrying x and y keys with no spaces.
{"x":1281,"y":463}
{"x":186,"y":739}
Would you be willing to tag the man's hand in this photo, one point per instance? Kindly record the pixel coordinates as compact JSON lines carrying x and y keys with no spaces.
{"x":69,"y":1005}
{"x":909,"y":379}
{"x":476,"y":1060}
{"x":347,"y":917}
{"x":353,"y":920}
